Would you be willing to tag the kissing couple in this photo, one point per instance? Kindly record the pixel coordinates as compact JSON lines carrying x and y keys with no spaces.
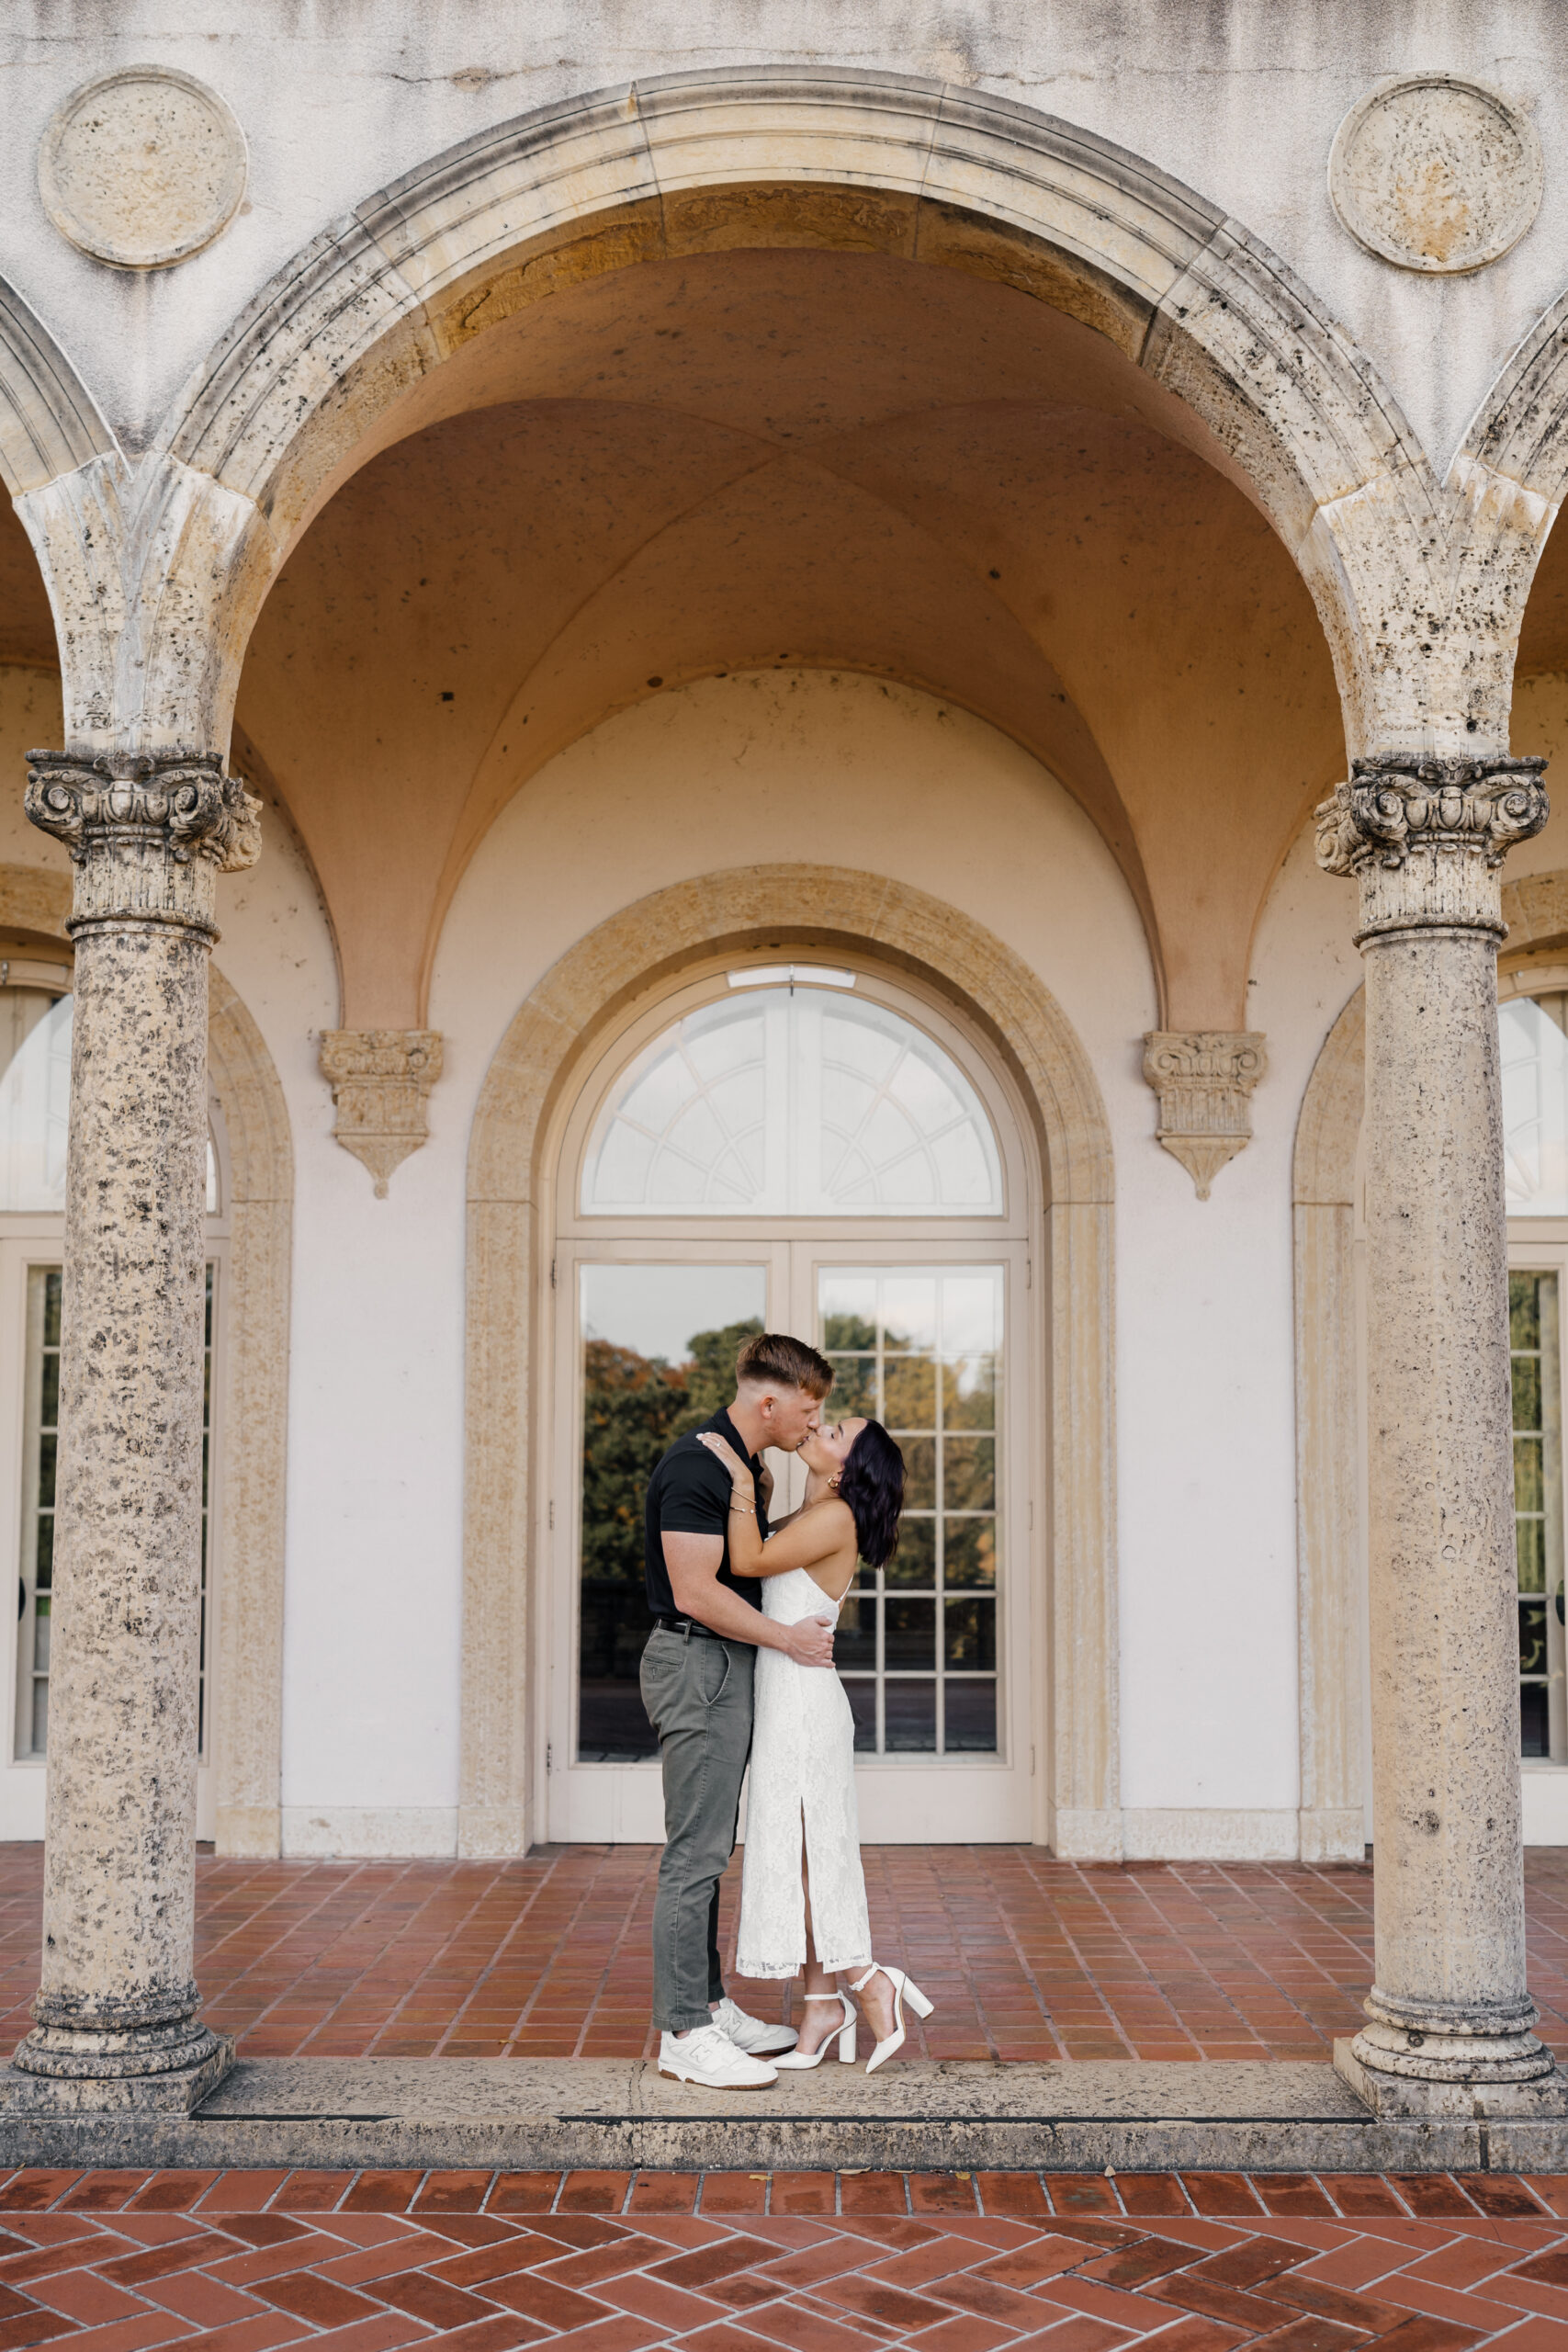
{"x":739,"y":1665}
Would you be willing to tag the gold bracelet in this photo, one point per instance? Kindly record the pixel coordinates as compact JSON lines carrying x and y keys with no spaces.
{"x":751,"y":1508}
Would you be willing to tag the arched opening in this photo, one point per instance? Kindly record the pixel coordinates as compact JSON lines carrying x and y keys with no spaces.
{"x":582,"y":1047}
{"x":820,"y":1148}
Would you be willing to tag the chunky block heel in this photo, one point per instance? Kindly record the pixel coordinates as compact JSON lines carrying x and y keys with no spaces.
{"x":902,"y":1991}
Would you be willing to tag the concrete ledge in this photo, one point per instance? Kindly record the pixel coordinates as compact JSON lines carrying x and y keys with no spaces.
{"x":529,"y":2115}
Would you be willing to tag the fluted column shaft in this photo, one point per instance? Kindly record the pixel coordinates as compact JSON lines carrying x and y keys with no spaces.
{"x":117,"y":2003}
{"x":1448,"y":2013}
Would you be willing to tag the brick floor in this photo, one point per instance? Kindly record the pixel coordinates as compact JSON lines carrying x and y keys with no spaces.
{"x":787,"y":2262}
{"x":1025,"y":1957}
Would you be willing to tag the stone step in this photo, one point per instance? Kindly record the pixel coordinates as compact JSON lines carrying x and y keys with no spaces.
{"x":620,"y":2114}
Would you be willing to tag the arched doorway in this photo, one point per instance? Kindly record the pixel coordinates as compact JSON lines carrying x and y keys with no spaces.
{"x":818,"y":1148}
{"x":961,"y":986}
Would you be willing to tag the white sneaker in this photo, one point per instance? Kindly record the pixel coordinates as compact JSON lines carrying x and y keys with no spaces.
{"x":709,"y":2056}
{"x":759,"y":2040}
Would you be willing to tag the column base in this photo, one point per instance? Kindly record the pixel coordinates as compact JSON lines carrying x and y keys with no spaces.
{"x":1544,"y":2094}
{"x":175,"y":2091}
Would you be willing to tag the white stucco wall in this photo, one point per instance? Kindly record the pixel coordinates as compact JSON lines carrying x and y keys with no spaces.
{"x":1240,"y":101}
{"x":852,"y":772}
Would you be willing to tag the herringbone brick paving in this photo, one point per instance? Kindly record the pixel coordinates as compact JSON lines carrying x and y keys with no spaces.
{"x":790,"y":2262}
{"x":1025,"y":1957}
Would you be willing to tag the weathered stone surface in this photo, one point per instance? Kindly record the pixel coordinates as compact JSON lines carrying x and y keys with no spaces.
{"x":141,"y":166}
{"x":1450,"y":2011}
{"x":117,"y":2002}
{"x":1435,"y":174}
{"x":1204,"y":1079}
{"x":381,"y":1080}
{"x":545,"y":2113}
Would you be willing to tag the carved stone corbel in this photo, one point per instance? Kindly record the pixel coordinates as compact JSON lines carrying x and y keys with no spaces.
{"x":1204,"y":1079}
{"x":381,"y":1080}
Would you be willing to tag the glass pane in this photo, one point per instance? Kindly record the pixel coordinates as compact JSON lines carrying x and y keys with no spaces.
{"x":854,"y":1644}
{"x":969,"y":1548}
{"x":34,"y":1098}
{"x":915,"y":1560}
{"x":971,"y":1635}
{"x":927,"y":1351}
{"x":793,"y":1102}
{"x":909,"y":1710}
{"x":909,"y":1633}
{"x":862,"y":1697}
{"x":1535,"y":1109}
{"x":1537,"y":1383}
{"x":658,"y":1348}
{"x":39,"y":1444}
{"x":971,"y":1717}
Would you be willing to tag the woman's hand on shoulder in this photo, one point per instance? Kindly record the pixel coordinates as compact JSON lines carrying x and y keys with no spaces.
{"x":723,"y":1451}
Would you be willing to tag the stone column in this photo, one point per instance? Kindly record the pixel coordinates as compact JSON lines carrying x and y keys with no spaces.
{"x":1450,"y":2015}
{"x":117,"y":2006}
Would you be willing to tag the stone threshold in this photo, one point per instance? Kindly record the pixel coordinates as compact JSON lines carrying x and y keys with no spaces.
{"x":621,"y":2115}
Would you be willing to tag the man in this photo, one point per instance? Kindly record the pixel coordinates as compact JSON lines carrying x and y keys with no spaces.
{"x":696,"y":1686}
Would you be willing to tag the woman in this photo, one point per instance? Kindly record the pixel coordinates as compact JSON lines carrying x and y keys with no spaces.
{"x":803,"y":1892}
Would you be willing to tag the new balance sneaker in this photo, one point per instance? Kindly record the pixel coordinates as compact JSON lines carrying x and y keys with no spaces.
{"x":709,"y":2057}
{"x":759,"y":2040}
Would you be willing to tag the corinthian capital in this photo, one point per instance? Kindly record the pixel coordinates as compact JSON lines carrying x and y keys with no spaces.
{"x":1204,"y":1079}
{"x":1425,"y":838}
{"x":148,"y":832}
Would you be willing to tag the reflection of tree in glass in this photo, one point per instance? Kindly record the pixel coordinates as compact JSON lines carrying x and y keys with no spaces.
{"x":633,"y":1406}
{"x":849,"y":1331}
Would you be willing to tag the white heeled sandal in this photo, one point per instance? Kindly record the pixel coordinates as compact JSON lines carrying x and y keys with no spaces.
{"x":845,"y":2037}
{"x":902,"y":1991}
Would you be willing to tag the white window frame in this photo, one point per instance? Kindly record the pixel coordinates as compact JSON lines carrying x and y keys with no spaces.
{"x":899,"y":1795}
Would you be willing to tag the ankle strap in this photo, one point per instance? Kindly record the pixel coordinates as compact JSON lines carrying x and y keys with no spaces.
{"x":875,"y":1969}
{"x":821,"y":1996}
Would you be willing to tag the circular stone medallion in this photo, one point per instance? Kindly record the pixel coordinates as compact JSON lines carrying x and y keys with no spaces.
{"x":142,"y":167}
{"x":1435,"y":174}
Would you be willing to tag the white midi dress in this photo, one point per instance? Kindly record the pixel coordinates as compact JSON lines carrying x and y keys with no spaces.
{"x":802,"y":1784}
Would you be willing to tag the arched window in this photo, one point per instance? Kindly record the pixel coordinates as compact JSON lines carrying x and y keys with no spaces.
{"x":36,"y":1010}
{"x":793,"y":1102}
{"x":815,"y":1149}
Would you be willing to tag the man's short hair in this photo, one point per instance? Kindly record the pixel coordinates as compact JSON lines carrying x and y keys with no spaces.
{"x":772,"y":1359}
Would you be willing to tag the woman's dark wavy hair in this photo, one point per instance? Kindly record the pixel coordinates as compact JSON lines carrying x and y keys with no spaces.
{"x":872,"y":1483}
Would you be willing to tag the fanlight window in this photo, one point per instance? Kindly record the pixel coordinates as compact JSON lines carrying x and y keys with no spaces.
{"x":793,"y":1102}
{"x":1535,"y":1104}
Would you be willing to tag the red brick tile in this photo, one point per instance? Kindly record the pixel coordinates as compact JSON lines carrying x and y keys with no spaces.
{"x":30,"y":2192}
{"x":1501,"y":2195}
{"x":452,"y":2192}
{"x":804,"y":2330}
{"x":802,"y":2192}
{"x":1226,"y":2194}
{"x":1082,"y":2192}
{"x":1291,"y":2192}
{"x":241,"y":2192}
{"x":498,"y":2332}
{"x":382,"y":2192}
{"x":874,"y":2192}
{"x":103,"y":2192}
{"x":171,"y":2192}
{"x":523,"y":2192}
{"x":943,"y":2192}
{"x":1152,"y":2193}
{"x":321,"y":2300}
{"x":242,"y":2335}
{"x":311,"y":2192}
{"x":1433,"y":2194}
{"x":865,"y":2298}
{"x":734,"y":2192}
{"x":664,"y":2192}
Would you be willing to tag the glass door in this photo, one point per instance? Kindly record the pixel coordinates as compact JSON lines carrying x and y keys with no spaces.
{"x":652,"y":1342}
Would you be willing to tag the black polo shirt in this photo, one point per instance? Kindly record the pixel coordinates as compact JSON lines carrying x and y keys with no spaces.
{"x":689,"y":1495}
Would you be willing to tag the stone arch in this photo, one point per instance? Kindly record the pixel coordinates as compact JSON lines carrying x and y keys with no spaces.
{"x":1330,"y":1605}
{"x":254,"y":1402}
{"x":303,"y":385}
{"x":49,"y":423}
{"x":557,"y":1023}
